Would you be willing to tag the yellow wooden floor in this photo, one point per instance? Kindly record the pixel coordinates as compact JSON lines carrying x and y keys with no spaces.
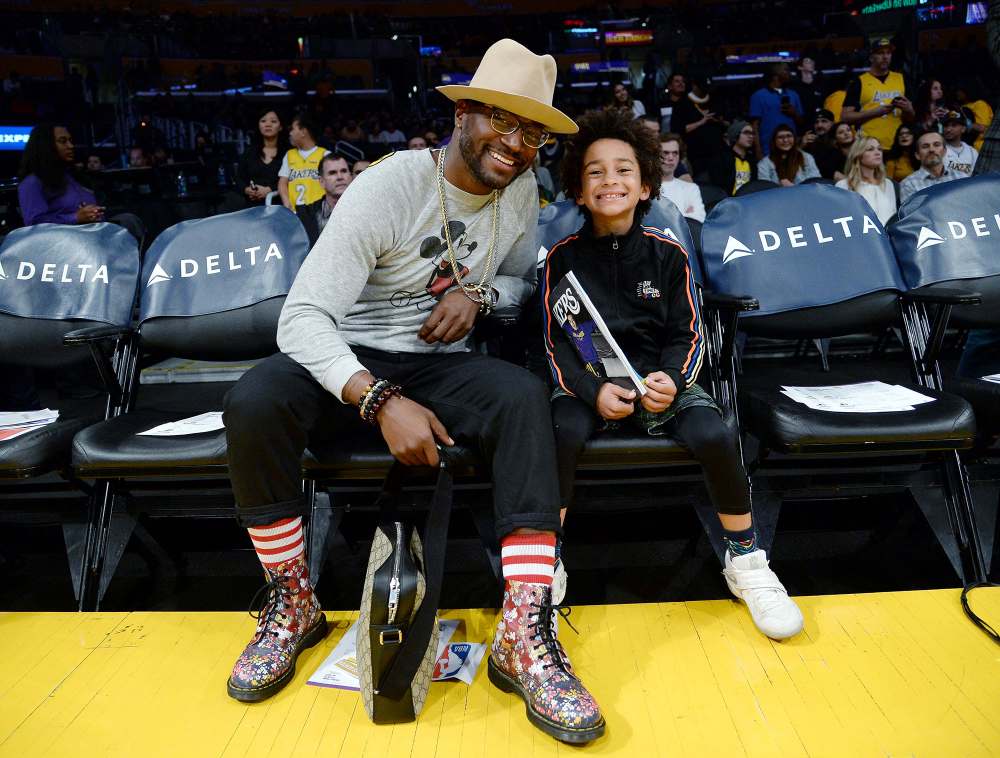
{"x":894,"y":674}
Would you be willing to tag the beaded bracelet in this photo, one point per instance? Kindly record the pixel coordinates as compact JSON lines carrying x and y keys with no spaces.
{"x":375,"y":396}
{"x":370,"y":392}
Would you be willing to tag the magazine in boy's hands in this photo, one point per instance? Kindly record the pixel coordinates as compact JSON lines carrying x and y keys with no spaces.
{"x":574,"y":311}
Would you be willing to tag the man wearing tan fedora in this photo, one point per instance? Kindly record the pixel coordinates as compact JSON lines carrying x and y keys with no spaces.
{"x":376,"y":325}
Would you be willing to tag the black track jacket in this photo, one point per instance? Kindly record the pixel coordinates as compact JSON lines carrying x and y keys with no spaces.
{"x":643,"y":287}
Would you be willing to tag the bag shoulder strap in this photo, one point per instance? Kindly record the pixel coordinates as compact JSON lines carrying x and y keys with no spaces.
{"x":397,"y":679}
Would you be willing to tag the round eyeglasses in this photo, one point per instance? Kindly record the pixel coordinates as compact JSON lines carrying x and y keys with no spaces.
{"x":504,"y":122}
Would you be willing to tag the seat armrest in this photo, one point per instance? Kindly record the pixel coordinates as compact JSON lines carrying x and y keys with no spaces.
{"x":943,"y":296}
{"x":95,"y":334}
{"x":723,"y":301}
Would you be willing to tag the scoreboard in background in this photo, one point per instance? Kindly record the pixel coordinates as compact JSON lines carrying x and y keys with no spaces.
{"x":14,"y":137}
{"x":628,"y":37}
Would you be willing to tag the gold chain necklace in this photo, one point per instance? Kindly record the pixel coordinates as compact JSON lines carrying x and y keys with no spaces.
{"x":478,"y":293}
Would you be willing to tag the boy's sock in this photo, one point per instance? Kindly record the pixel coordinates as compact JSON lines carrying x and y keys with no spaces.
{"x":528,"y":558}
{"x":740,"y":542}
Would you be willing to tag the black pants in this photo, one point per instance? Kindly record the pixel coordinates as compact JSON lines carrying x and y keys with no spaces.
{"x":277,"y":409}
{"x":699,"y":429}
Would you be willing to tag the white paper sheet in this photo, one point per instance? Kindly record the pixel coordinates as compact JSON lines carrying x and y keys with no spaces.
{"x":340,"y":669}
{"x":204,"y":422}
{"x":12,"y":419}
{"x":862,"y":397}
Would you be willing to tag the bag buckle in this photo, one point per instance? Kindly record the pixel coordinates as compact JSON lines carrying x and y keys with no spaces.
{"x":390,"y":637}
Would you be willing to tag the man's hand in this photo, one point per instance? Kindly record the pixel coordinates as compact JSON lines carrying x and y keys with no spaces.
{"x":904,"y":105}
{"x":452,"y":318}
{"x":412,"y":432}
{"x":614,"y":402}
{"x":808,"y":138}
{"x":660,"y":392}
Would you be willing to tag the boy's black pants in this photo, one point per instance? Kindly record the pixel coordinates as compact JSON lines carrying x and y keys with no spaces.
{"x":700,"y":429}
{"x":278,"y":409}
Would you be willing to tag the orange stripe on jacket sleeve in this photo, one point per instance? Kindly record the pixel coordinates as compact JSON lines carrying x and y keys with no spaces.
{"x":694,"y":324}
{"x":549,"y":344}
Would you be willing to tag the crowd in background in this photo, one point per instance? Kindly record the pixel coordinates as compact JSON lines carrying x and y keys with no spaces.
{"x":874,"y":133}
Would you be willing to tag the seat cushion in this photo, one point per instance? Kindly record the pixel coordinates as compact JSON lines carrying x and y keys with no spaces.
{"x":783,"y":424}
{"x":984,"y":397}
{"x":114,"y":448}
{"x":41,"y":450}
{"x":364,"y":455}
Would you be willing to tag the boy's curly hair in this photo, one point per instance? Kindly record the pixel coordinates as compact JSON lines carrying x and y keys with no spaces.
{"x":613,"y":124}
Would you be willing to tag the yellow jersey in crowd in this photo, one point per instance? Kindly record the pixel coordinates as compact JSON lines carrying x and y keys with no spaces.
{"x":875,"y":93}
{"x":303,"y":176}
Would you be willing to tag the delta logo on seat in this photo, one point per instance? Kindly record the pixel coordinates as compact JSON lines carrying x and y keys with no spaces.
{"x":59,"y":273}
{"x":216,"y":264}
{"x":957,"y":230}
{"x":797,"y":236}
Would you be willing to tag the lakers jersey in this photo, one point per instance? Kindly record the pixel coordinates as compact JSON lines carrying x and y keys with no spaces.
{"x":875,"y":93}
{"x":303,"y":176}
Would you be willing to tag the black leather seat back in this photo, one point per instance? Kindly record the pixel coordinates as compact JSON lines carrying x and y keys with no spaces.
{"x":816,"y":257}
{"x":866,"y":313}
{"x":213,"y":288}
{"x":246,"y":333}
{"x":949,"y":236}
{"x":56,"y":278}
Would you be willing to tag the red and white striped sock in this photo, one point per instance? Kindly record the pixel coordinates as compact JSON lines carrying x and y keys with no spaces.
{"x":278,"y":542}
{"x":528,"y":558}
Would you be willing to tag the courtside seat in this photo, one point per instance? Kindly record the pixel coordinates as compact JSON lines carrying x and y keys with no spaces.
{"x":41,"y":450}
{"x":56,"y":279}
{"x":945,"y":237}
{"x":984,"y":397}
{"x":821,"y":266}
{"x":211,"y":289}
{"x":115,"y":448}
{"x":786,"y":426}
{"x":364,"y":455}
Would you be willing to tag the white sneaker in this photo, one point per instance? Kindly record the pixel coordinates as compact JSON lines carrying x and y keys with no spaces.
{"x":750,"y":578}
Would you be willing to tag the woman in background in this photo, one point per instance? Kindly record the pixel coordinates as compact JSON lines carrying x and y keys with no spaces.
{"x":257,"y":172}
{"x":49,"y":192}
{"x":866,"y":176}
{"x":786,"y":164}
{"x":900,"y":162}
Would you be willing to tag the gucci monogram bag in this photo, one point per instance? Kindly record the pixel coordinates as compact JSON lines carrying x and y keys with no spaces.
{"x":397,"y":628}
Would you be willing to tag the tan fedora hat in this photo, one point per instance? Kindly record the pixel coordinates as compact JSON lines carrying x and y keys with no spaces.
{"x":512,"y":77}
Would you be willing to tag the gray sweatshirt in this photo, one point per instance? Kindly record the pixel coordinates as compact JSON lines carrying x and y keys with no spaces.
{"x":380,"y":265}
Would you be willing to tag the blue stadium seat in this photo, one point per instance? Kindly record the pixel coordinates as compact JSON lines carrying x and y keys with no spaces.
{"x":821,"y":265}
{"x":947,"y":237}
{"x":211,"y":289}
{"x":57,"y":282}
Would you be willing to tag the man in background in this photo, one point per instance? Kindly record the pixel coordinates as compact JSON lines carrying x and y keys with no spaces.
{"x":960,"y":156}
{"x":334,"y":176}
{"x":930,"y":153}
{"x":876,"y":102}
{"x":685,"y":195}
{"x":775,"y":104}
{"x":818,"y":142}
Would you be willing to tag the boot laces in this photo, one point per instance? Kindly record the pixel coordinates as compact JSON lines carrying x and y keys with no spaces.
{"x":265,"y":605}
{"x":543,"y":630}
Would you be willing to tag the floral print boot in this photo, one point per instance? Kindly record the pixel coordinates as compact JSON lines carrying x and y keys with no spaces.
{"x":528,"y":660}
{"x":289,"y":620}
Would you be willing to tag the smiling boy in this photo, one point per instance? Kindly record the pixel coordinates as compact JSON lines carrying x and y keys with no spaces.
{"x":640,"y":281}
